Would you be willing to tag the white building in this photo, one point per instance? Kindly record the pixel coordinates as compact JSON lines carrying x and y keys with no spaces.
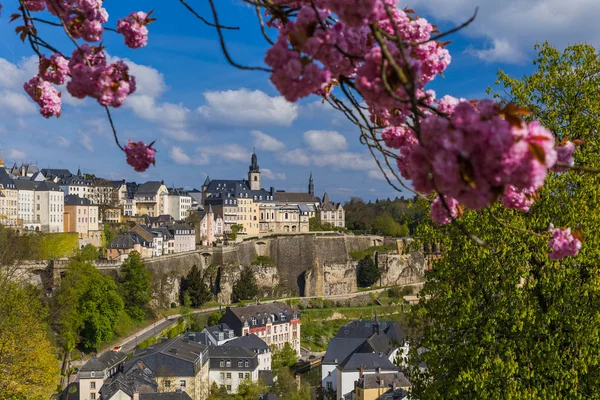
{"x":129,"y":208}
{"x":97,"y":371}
{"x":256,"y":345}
{"x":26,"y":202}
{"x":218,"y":335}
{"x":184,"y":237}
{"x":178,"y":202}
{"x":230,"y":366}
{"x":49,"y":207}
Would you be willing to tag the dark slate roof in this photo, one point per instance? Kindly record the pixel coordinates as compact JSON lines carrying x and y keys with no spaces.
{"x":122,"y":241}
{"x":198,"y":337}
{"x":250,"y":342}
{"x":23,"y":184}
{"x":150,"y":187}
{"x":340,"y":348}
{"x":48,"y":186}
{"x":263,"y":311}
{"x":364,"y":329}
{"x":106,"y":360}
{"x":266,"y":377}
{"x":76,"y":180}
{"x":327,"y":205}
{"x":398,"y":394}
{"x":74,"y":200}
{"x":370,"y":381}
{"x":369,"y":361}
{"x":5,"y":178}
{"x":180,"y":227}
{"x":269,"y":395}
{"x":176,"y":357}
{"x":291,"y":197}
{"x":177,"y":192}
{"x":116,"y":383}
{"x":52,"y":173}
{"x":222,"y":189}
{"x":165,"y":396}
{"x":217,"y":354}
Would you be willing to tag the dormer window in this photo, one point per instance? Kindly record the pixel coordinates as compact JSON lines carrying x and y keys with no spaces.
{"x":222,"y":363}
{"x":228,"y":363}
{"x":253,"y":320}
{"x":246,"y":364}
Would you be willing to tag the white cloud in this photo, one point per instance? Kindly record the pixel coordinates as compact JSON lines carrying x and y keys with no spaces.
{"x":245,"y":108}
{"x":512,"y":27}
{"x":262,"y":141}
{"x":277,"y":176}
{"x":347,"y":161}
{"x":86,"y":142}
{"x":294,"y":157}
{"x":376,"y":174}
{"x":180,"y":157}
{"x":148,"y":81}
{"x":16,"y":155}
{"x":12,"y":76}
{"x":62,"y":141}
{"x":232,"y":152}
{"x":325,"y":141}
{"x":16,"y":103}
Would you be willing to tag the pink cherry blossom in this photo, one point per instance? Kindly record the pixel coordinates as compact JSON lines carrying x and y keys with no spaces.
{"x":139,"y":155}
{"x":54,"y":69}
{"x":133,"y":28}
{"x":360,"y":12}
{"x":520,"y":200}
{"x":564,"y":155}
{"x":447,"y":104}
{"x":35,"y":5}
{"x":45,"y":95}
{"x":562,"y":243}
{"x":86,"y":64}
{"x":439,"y":214}
{"x":114,"y":84}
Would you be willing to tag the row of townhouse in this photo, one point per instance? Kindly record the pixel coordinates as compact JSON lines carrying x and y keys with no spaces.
{"x":153,"y":241}
{"x":186,"y":366}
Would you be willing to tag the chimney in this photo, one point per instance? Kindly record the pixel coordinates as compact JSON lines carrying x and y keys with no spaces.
{"x":361,"y":370}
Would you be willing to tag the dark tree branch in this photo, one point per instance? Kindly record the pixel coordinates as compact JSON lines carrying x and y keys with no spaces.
{"x":215,"y":25}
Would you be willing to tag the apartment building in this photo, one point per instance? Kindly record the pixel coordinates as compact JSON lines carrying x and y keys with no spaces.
{"x":80,"y":216}
{"x":230,"y":366}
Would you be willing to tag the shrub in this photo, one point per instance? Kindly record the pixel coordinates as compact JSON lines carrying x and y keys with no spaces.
{"x":367,"y":273}
{"x":173,"y":305}
{"x":263,"y":260}
{"x":398,"y":291}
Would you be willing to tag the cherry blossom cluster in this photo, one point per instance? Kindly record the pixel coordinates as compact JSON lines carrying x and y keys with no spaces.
{"x":139,"y":155}
{"x":332,"y":39}
{"x":134,"y":29}
{"x":563,"y":243}
{"x":45,"y":95}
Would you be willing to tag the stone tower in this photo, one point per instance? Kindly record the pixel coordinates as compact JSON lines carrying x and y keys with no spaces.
{"x":210,"y":226}
{"x":311,"y":185}
{"x":254,"y":173}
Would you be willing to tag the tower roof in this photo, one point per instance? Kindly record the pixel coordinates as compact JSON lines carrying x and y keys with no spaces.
{"x":206,"y":181}
{"x":210,"y":211}
{"x":254,"y":164}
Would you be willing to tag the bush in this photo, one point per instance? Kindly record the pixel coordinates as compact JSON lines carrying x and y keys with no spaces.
{"x":263,"y":260}
{"x":367,"y":273}
{"x":398,"y":291}
{"x":173,"y":305}
{"x":370,"y":252}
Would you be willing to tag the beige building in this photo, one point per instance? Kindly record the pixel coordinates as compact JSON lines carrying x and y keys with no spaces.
{"x":96,"y":372}
{"x":177,"y":365}
{"x":49,"y":207}
{"x":394,"y":385}
{"x":332,"y":213}
{"x":80,"y":216}
{"x":125,"y":243}
{"x":112,"y":215}
{"x":151,"y":198}
{"x":9,"y":204}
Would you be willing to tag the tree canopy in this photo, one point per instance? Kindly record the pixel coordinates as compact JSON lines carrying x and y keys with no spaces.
{"x":245,"y":288}
{"x":367,"y":273}
{"x":390,"y":217}
{"x":193,"y":285}
{"x":504,"y":320}
{"x":135,"y":285}
{"x":284,"y":357}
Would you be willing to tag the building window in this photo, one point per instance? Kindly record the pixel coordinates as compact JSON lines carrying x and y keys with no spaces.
{"x":222,"y":376}
{"x":247,"y":364}
{"x":240,"y":363}
{"x":222,"y":364}
{"x":92,"y":385}
{"x":241,"y":375}
{"x":92,"y":396}
{"x":182,"y":383}
{"x":167,"y":384}
{"x":229,"y":388}
{"x":247,"y":375}
{"x":329,"y":385}
{"x":92,"y":374}
{"x":229,"y":375}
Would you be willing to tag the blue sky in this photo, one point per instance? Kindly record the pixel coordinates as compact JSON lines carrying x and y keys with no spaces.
{"x":206,"y":116}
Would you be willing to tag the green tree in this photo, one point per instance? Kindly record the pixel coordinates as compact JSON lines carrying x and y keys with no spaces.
{"x":213,"y":318}
{"x":88,"y":253}
{"x":285,"y":386}
{"x":218,"y":393}
{"x":29,"y":367}
{"x":87,"y":306}
{"x":386,"y":225}
{"x":57,"y":245}
{"x":284,"y":358}
{"x":367,"y":272}
{"x":504,"y":321}
{"x":248,"y":390}
{"x":234,"y":231}
{"x":246,"y":287}
{"x":135,"y":284}
{"x":314,"y":225}
{"x":193,"y":285}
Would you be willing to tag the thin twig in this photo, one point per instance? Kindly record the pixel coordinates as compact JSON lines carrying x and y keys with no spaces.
{"x":262,"y":26}
{"x":224,"y":46}
{"x":112,"y":125}
{"x":451,"y":31}
{"x":215,"y":25}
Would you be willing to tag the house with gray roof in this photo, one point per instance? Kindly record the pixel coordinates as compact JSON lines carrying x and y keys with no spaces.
{"x":219,"y":334}
{"x":255,"y":344}
{"x":231,"y":365}
{"x":361,"y":347}
{"x":96,"y":371}
{"x":382,"y":386}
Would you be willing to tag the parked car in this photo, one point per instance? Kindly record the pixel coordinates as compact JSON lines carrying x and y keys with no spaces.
{"x":117,"y":348}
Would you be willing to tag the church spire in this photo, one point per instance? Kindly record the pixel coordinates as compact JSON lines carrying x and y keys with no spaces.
{"x":254,"y":163}
{"x":311,"y":185}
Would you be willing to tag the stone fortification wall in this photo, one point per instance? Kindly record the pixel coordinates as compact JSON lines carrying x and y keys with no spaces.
{"x":400,"y":269}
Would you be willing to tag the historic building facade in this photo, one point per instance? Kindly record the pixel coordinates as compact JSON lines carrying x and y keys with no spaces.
{"x":255,"y":210}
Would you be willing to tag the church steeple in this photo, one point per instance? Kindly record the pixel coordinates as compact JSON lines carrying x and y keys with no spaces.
{"x":311,"y":185}
{"x":254,"y":173}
